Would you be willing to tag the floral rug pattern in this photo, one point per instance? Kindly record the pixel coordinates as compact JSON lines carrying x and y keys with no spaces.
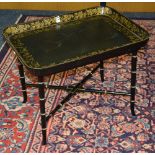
{"x":88,"y":122}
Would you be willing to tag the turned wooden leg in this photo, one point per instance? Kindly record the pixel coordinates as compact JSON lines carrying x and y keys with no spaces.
{"x":133,"y":81}
{"x":41,"y":87}
{"x":22,"y":81}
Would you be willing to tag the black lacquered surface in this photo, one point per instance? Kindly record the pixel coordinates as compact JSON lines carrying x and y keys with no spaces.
{"x":69,"y":41}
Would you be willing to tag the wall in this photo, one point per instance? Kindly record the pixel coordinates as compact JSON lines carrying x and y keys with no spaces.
{"x":125,"y":7}
{"x":133,"y":7}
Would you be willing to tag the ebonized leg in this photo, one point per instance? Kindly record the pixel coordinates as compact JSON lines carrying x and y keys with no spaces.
{"x":133,"y":81}
{"x":101,"y":71}
{"x":22,"y":81}
{"x":41,"y":87}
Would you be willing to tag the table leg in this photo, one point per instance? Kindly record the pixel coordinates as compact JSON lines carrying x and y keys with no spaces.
{"x":133,"y":81}
{"x":102,"y":70}
{"x":22,"y":81}
{"x":41,"y":87}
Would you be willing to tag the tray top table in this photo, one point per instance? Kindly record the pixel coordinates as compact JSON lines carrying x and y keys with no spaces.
{"x":59,"y":43}
{"x":53,"y":44}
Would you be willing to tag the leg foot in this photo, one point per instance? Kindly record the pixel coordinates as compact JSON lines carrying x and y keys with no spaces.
{"x":132,"y":106}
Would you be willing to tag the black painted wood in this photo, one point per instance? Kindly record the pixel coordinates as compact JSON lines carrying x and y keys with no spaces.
{"x":133,"y":82}
{"x":22,"y":81}
{"x":102,"y":70}
{"x":41,"y":87}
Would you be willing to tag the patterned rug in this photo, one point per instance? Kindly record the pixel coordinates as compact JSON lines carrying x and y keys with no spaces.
{"x":88,"y":122}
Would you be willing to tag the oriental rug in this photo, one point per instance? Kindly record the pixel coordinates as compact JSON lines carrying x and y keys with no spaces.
{"x":88,"y":122}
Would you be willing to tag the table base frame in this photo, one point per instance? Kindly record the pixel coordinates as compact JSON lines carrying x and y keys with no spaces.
{"x":73,"y":89}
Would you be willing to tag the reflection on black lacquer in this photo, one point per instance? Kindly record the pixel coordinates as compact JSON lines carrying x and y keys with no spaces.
{"x":75,"y":39}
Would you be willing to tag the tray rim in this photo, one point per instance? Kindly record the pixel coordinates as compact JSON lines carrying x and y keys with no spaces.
{"x":106,"y":12}
{"x":103,"y":51}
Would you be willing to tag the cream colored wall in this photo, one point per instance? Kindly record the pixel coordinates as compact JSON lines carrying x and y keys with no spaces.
{"x":47,"y":5}
{"x":133,"y":6}
{"x":121,"y":6}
